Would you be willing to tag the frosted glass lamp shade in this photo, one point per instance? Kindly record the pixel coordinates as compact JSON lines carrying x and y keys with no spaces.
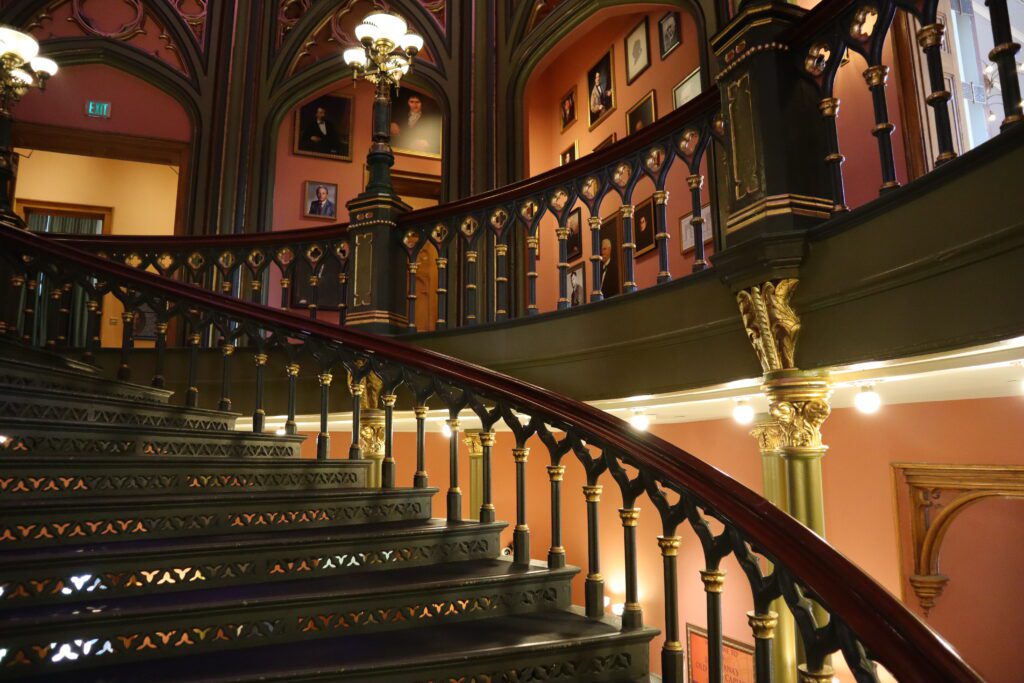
{"x":44,"y":65}
{"x":355,"y":56}
{"x":392,"y":27}
{"x":368,"y":32}
{"x":23,"y":76}
{"x":411,"y":43}
{"x":21,"y":44}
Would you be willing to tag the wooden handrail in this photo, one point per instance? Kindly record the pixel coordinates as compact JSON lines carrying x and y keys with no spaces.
{"x":891,"y":633}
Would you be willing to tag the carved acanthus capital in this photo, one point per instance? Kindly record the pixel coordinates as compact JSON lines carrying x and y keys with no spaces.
{"x":371,"y":439}
{"x":799,"y":402}
{"x":769,"y":436}
{"x":771,"y":323}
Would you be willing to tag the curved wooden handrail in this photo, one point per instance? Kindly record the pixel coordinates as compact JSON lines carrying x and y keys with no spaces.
{"x":892,"y":634}
{"x":237,"y":241}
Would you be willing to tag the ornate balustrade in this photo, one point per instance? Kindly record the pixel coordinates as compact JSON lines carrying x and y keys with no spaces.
{"x":837,"y":608}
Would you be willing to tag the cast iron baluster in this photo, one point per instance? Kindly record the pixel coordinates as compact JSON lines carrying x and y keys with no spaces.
{"x":323,"y":439}
{"x":532,"y":245}
{"x":486,"y":506}
{"x":259,"y":415}
{"x":124,"y":372}
{"x":192,"y":396}
{"x":53,"y":315}
{"x":454,"y":493}
{"x":501,"y":281}
{"x":355,"y":451}
{"x":226,"y":350}
{"x":410,"y":297}
{"x":628,"y":250}
{"x":29,"y":311}
{"x":563,"y":266}
{"x":161,"y":352}
{"x":696,"y":182}
{"x":556,"y":554}
{"x":94,"y":313}
{"x":829,"y":108}
{"x":521,"y":536}
{"x":13,"y":304}
{"x":632,"y":612}
{"x":442,"y":293}
{"x":293,"y":373}
{"x":256,"y":288}
{"x":469,"y":305}
{"x":661,"y":234}
{"x":930,"y":39}
{"x":342,"y":302}
{"x":875,"y":76}
{"x":64,"y":315}
{"x":387,"y":473}
{"x":763,"y":627}
{"x":419,"y":480}
{"x":672,"y":650}
{"x":286,"y":283}
{"x":1003,"y":56}
{"x":594,"y":589}
{"x":595,"y":258}
{"x":314,"y":294}
{"x":714,"y":582}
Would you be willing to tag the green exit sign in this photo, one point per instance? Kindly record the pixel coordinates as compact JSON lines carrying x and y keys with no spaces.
{"x":99,"y":110}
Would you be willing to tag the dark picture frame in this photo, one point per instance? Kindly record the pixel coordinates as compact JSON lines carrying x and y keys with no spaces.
{"x":737,"y":656}
{"x":569,"y":154}
{"x":577,"y":284}
{"x":334,"y":140}
{"x":611,"y":273}
{"x":686,"y":244}
{"x":643,"y":227}
{"x":686,"y":89}
{"x":670,"y":34}
{"x":144,"y":323}
{"x":568,"y":108}
{"x":313,"y":207}
{"x":600,"y":102}
{"x":637,"y":50}
{"x":417,"y":130}
{"x":610,"y":140}
{"x":574,"y":243}
{"x":642,"y":114}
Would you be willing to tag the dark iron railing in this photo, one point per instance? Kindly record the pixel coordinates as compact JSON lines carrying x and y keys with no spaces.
{"x":836,"y":606}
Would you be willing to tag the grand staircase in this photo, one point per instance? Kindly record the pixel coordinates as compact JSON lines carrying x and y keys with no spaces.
{"x":143,"y":541}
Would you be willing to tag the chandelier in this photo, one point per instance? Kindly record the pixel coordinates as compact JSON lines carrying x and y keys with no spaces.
{"x":387,"y":49}
{"x":21,"y":67}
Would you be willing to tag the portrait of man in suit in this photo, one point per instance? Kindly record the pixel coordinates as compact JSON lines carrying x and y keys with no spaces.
{"x":323,"y":128}
{"x":321,"y":200}
{"x":602,"y":92}
{"x":415,"y":124}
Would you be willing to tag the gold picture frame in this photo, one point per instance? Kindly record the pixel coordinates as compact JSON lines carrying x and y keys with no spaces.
{"x":598,"y":67}
{"x":649,"y":98}
{"x":396,"y":145}
{"x":573,"y":96}
{"x":645,"y":242}
{"x":572,"y":150}
{"x":610,"y":140}
{"x":302,"y":117}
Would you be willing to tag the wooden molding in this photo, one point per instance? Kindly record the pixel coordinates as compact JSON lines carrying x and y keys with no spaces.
{"x":23,"y":207}
{"x":912,"y":112}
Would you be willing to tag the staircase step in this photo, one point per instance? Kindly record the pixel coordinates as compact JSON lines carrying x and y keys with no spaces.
{"x":54,"y":575}
{"x":148,"y":628}
{"x":558,"y":645}
{"x":83,"y":478}
{"x":64,"y":521}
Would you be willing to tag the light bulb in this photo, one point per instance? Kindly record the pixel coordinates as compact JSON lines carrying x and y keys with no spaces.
{"x":3,"y":440}
{"x":867,"y":400}
{"x":991,"y":115}
{"x":618,"y":608}
{"x":354,"y":56}
{"x":640,"y":421}
{"x":446,"y":431}
{"x":743,"y":412}
{"x":279,"y":431}
{"x":44,"y":65}
{"x":607,"y":601}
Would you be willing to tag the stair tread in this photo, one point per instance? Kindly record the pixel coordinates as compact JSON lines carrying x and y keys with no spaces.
{"x":74,"y":394}
{"x":76,"y":371}
{"x":297,"y":537}
{"x":152,"y":431}
{"x":437,"y":577}
{"x":357,"y":654}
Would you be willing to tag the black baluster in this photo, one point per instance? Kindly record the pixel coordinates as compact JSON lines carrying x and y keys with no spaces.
{"x":875,"y":76}
{"x":343,"y":297}
{"x":314,"y":296}
{"x":286,"y":283}
{"x":672,"y":649}
{"x":696,"y":182}
{"x":259,"y":416}
{"x":192,"y":396}
{"x":632,"y":613}
{"x":501,"y":281}
{"x":829,"y":108}
{"x":563,"y":267}
{"x":930,"y":39}
{"x":763,"y":624}
{"x":1003,"y":56}
{"x":93,"y":321}
{"x":556,"y":554}
{"x":410,"y":296}
{"x":419,"y":479}
{"x":323,"y":439}
{"x":469,"y":310}
{"x":714,"y":582}
{"x":161,"y":353}
{"x":124,"y":372}
{"x":293,"y":374}
{"x":355,"y":451}
{"x":64,"y":315}
{"x":454,"y":493}
{"x":521,"y":536}
{"x":53,"y":315}
{"x":442,"y":293}
{"x":628,"y":250}
{"x":532,"y":244}
{"x":486,"y":506}
{"x":387,"y":471}
{"x":15,"y":297}
{"x":29,"y":311}
{"x":226,"y":351}
{"x":594,"y":588}
{"x":256,"y":289}
{"x":661,"y":234}
{"x":595,"y":258}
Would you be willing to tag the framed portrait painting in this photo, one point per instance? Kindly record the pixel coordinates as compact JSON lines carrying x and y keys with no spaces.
{"x":601,"y":100}
{"x":638,"y":51}
{"x":320,"y":200}
{"x":669,"y":34}
{"x":611,"y":255}
{"x":643,"y":226}
{"x":686,"y":90}
{"x":416,"y":124}
{"x":569,"y":154}
{"x":642,"y":114}
{"x":686,"y":244}
{"x":578,"y":284}
{"x":610,"y":140}
{"x":567,"y":109}
{"x":323,"y":128}
{"x":574,"y":243}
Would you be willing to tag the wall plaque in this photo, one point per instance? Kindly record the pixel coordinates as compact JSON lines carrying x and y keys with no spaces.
{"x":737,"y":658}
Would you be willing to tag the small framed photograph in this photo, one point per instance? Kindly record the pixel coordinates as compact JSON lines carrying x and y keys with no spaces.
{"x":578,"y":284}
{"x":638,"y":51}
{"x":643,"y":227}
{"x":642,"y":114}
{"x":687,"y":89}
{"x":569,"y":154}
{"x":686,"y":244}
{"x":323,"y":128}
{"x":669,"y":34}
{"x":574,"y":224}
{"x":321,"y":200}
{"x":602,"y":90}
{"x":567,"y":109}
{"x":606,"y":142}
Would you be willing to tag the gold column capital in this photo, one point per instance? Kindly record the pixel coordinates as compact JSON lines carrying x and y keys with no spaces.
{"x":227,"y":349}
{"x":629,"y":516}
{"x":669,"y":545}
{"x":161,"y":328}
{"x":823,"y":675}
{"x":520,"y":454}
{"x":562,"y":233}
{"x":389,"y":400}
{"x":453,"y":423}
{"x":556,"y":472}
{"x":292,"y":369}
{"x":876,"y":75}
{"x":126,"y":316}
{"x":627,"y":210}
{"x":771,"y":324}
{"x":441,"y":262}
{"x":799,"y":402}
{"x":473,"y":443}
{"x":486,"y":439}
{"x":594,"y":222}
{"x":593,"y":493}
{"x":829,"y":107}
{"x":325,"y":379}
{"x":660,"y":196}
{"x":471,"y":257}
{"x":763,"y":625}
{"x":260,"y":359}
{"x":714,"y":580}
{"x":930,"y":35}
{"x":695,"y":181}
{"x":413,"y":267}
{"x":194,"y":340}
{"x":532,"y":242}
{"x":500,"y":249}
{"x":769,"y":436}
{"x":420,"y":412}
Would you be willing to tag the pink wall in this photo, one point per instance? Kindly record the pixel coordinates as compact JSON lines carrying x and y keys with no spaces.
{"x":137,"y":108}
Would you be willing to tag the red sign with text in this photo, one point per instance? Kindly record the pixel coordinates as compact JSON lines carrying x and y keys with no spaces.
{"x":737,"y":658}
